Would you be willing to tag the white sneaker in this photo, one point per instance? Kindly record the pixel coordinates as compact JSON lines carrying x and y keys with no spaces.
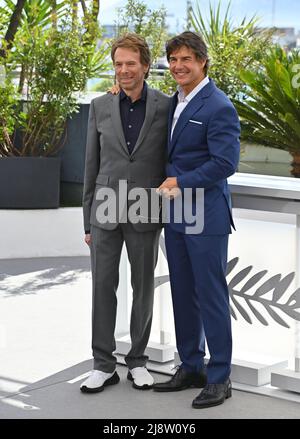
{"x":141,"y":378}
{"x":98,"y":380}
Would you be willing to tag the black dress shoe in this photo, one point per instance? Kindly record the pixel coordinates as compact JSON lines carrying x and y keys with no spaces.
{"x":212,"y":394}
{"x":182,"y":380}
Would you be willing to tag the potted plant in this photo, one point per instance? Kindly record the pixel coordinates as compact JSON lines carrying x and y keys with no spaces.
{"x":54,"y":55}
{"x":270,"y":113}
{"x":231,"y":46}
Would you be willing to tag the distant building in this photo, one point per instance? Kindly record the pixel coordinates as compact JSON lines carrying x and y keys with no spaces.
{"x":110,"y":30}
{"x":161,"y":64}
{"x":285,"y":37}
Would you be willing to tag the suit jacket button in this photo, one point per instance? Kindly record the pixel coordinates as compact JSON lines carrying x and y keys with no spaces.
{"x":131,"y":159}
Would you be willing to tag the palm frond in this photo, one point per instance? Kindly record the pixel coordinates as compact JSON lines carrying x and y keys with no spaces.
{"x":270,"y":115}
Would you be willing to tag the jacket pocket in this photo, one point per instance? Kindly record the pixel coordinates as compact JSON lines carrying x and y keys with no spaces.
{"x":102,"y":179}
{"x":197,"y":122}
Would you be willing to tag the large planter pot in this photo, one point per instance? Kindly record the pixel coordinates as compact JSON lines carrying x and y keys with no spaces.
{"x":73,"y":156}
{"x":29,"y":182}
{"x":295,"y":164}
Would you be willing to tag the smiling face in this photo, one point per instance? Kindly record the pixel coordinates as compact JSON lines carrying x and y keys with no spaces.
{"x":130,"y":72}
{"x":186,"y":68}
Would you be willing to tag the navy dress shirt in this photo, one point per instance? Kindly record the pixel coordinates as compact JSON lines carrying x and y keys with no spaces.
{"x":132,"y":116}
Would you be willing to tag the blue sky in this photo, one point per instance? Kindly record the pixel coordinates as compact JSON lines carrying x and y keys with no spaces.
{"x":287,"y":12}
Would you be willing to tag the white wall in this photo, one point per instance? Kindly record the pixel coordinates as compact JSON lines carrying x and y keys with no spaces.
{"x":258,"y":153}
{"x":42,"y":233}
{"x":265,"y":241}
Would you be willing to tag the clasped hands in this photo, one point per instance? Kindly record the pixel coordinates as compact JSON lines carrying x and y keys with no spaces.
{"x":169,"y":188}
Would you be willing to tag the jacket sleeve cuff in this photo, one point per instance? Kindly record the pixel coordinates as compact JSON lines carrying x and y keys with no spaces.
{"x":184,"y":181}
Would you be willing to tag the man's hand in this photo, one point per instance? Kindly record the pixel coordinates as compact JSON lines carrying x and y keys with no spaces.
{"x":87,"y":239}
{"x":115,"y":89}
{"x":169,"y":188}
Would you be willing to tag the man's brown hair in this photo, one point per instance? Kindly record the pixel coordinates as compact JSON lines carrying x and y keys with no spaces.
{"x":136,"y":43}
{"x":191,"y":40}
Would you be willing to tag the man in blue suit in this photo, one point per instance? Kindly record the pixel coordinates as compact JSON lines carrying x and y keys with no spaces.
{"x":203,"y":151}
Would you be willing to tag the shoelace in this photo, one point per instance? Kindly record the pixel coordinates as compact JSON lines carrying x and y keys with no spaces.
{"x":209,"y":389}
{"x":177,"y":370}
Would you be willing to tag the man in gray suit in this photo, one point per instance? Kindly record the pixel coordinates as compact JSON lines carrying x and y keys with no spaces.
{"x":126,"y":142}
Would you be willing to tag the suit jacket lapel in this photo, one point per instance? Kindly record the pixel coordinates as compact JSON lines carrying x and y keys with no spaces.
{"x":151,"y":105}
{"x":194,"y":105}
{"x":117,"y":122}
{"x":171,"y":114}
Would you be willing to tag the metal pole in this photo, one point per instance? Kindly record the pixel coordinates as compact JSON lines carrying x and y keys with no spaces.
{"x":273,"y":12}
{"x":188,"y":14}
{"x":297,"y":324}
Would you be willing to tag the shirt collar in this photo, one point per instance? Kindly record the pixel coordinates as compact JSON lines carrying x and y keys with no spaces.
{"x":189,"y":97}
{"x":143,"y":97}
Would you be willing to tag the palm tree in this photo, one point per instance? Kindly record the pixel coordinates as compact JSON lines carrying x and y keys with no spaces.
{"x":231,"y":46}
{"x":270,"y":115}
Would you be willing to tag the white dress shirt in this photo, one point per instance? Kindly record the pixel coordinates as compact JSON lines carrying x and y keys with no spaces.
{"x":184,"y":100}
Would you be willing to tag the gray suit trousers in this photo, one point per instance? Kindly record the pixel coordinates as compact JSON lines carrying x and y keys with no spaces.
{"x":142,"y":250}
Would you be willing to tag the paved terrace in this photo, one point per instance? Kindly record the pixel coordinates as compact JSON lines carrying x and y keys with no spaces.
{"x":45,"y":308}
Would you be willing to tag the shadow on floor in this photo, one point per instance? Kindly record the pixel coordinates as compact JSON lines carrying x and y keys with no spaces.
{"x":37,"y":274}
{"x":58,"y":397}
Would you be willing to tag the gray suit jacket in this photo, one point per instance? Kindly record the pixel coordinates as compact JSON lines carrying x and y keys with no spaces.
{"x":107,"y":158}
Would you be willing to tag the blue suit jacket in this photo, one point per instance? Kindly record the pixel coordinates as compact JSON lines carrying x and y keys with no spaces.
{"x":204,"y":154}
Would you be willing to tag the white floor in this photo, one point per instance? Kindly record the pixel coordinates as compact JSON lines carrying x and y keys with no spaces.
{"x":45,"y":322}
{"x":45,"y":333}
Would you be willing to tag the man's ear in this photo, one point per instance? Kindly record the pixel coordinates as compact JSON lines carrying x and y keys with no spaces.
{"x":204,"y":61}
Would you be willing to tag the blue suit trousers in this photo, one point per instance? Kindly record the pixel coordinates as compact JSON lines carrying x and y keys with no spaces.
{"x":197,"y":267}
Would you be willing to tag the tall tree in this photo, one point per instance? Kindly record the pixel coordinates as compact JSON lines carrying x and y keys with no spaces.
{"x":54,"y":13}
{"x":12,"y":27}
{"x":91,"y":16}
{"x":74,"y":12}
{"x":94,"y":9}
